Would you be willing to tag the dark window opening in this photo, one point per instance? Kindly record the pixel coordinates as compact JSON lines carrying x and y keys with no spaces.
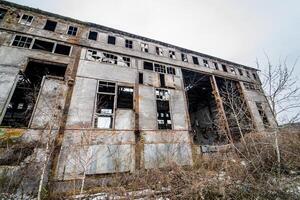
{"x":216,"y":66}
{"x":224,"y":68}
{"x":163,"y":109}
{"x":2,"y":13}
{"x":106,"y":87}
{"x":21,"y":105}
{"x":195,"y":60}
{"x":43,"y":45}
{"x":254,"y":76}
{"x":248,"y":74}
{"x":184,"y":57}
{"x":125,"y":97}
{"x":111,"y":40}
{"x":22,"y":41}
{"x":240,"y":72}
{"x":93,"y":35}
{"x":171,"y":70}
{"x":159,"y":51}
{"x":128,"y":44}
{"x":62,"y":49}
{"x":72,"y":30}
{"x":262,"y":114}
{"x":148,"y":65}
{"x":205,"y":62}
{"x":50,"y":25}
{"x":159,"y":68}
{"x":162,"y":80}
{"x":26,"y":20}
{"x":141,"y":78}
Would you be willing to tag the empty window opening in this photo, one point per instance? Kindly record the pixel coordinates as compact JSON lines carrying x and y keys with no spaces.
{"x":224,"y":68}
{"x":148,"y":65}
{"x":195,"y":60}
{"x":232,"y":70}
{"x":111,"y":40}
{"x":172,"y":54}
{"x":104,"y":108}
{"x":184,"y":57}
{"x":159,"y":68}
{"x":62,"y":49}
{"x":159,"y":51}
{"x":202,"y":107}
{"x":21,"y":105}
{"x":50,"y":25}
{"x":216,"y":66}
{"x":171,"y":70}
{"x":205,"y":63}
{"x":108,"y":58}
{"x":125,"y":97}
{"x":22,"y":41}
{"x":43,"y":45}
{"x":144,"y":47}
{"x":128,"y":44}
{"x":26,"y":20}
{"x":248,"y":74}
{"x":2,"y":13}
{"x":235,"y":107}
{"x":141,"y":78}
{"x":254,"y":76}
{"x":126,"y":60}
{"x":262,"y":114}
{"x":162,"y":80}
{"x":93,"y":35}
{"x":72,"y":30}
{"x":163,"y":109}
{"x":240,"y":72}
{"x":251,"y":86}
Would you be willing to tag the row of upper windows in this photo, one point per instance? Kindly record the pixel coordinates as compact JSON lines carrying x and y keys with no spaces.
{"x":144,"y":47}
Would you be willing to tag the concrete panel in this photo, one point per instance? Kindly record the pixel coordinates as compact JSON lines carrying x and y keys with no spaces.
{"x":147,"y":108}
{"x":178,"y":110}
{"x":8,"y":77}
{"x":166,"y":136}
{"x":82,"y":103}
{"x":151,"y":78}
{"x":162,"y":155}
{"x":124,"y":119}
{"x":50,"y":103}
{"x":106,"y":71}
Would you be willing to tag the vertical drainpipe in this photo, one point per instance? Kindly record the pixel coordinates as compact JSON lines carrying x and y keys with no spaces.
{"x":219,"y":101}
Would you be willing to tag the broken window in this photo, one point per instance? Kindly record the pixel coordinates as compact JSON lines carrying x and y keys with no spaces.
{"x":25,"y":95}
{"x":224,"y":68}
{"x":172,"y":54}
{"x":26,"y":20}
{"x":93,"y":35}
{"x":232,"y":70}
{"x":171,"y":70}
{"x":125,"y":97}
{"x":128,"y":44}
{"x":216,"y":66}
{"x":126,"y":60}
{"x":72,"y":30}
{"x":2,"y":13}
{"x":159,"y":68}
{"x":195,"y":60}
{"x":184,"y":57}
{"x":163,"y":109}
{"x":110,"y":58}
{"x":148,"y":65}
{"x":104,"y":105}
{"x":251,"y":86}
{"x":43,"y":45}
{"x":62,"y":49}
{"x":262,"y":114}
{"x":111,"y":40}
{"x":248,"y":74}
{"x":22,"y":41}
{"x":159,"y":51}
{"x":50,"y":25}
{"x":141,"y":78}
{"x":144,"y":47}
{"x":205,"y":63}
{"x":240,"y":72}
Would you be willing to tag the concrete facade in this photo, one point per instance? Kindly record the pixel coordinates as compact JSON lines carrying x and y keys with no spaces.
{"x":110,"y":139}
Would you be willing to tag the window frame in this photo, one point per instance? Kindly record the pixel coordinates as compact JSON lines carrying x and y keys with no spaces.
{"x":145,"y":47}
{"x":111,"y":39}
{"x":26,"y":22}
{"x":72,"y":30}
{"x":93,"y":31}
{"x":50,"y":21}
{"x":128,"y":44}
{"x":31,"y":42}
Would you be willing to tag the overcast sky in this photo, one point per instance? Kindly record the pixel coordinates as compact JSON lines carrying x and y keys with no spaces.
{"x":239,"y":31}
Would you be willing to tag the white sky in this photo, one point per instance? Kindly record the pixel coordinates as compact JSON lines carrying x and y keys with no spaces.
{"x":236,"y":30}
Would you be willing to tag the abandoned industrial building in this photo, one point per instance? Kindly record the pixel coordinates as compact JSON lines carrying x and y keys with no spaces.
{"x":110,"y":101}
